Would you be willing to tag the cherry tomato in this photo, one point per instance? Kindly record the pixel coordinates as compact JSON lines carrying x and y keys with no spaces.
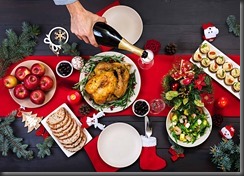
{"x":222,"y":102}
{"x":74,"y":96}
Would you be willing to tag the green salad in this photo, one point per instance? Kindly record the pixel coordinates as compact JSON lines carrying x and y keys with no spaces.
{"x":188,"y":126}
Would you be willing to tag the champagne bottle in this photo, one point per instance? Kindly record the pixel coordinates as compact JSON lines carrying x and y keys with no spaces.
{"x":108,"y":36}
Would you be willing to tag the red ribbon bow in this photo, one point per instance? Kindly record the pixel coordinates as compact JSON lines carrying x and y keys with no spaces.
{"x":41,"y":131}
{"x":175,"y":155}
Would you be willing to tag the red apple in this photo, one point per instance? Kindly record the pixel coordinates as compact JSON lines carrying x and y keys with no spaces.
{"x":37,"y":96}
{"x":21,"y":72}
{"x":38,"y":69}
{"x":31,"y":82}
{"x":74,"y":97}
{"x":21,"y":92}
{"x":10,"y":81}
{"x":46,"y":83}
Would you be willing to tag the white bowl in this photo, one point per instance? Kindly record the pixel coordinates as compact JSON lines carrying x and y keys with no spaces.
{"x":64,"y":62}
{"x":199,"y":141}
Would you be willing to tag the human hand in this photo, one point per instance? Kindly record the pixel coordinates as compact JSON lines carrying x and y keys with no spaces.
{"x":82,"y":22}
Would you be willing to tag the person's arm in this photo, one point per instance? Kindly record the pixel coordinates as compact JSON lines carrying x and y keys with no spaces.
{"x":82,"y":20}
{"x":63,"y":2}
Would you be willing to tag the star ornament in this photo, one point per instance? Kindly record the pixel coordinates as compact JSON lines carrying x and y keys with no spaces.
{"x":31,"y":121}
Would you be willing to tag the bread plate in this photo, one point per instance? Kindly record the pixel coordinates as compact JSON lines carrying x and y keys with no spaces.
{"x":44,"y":123}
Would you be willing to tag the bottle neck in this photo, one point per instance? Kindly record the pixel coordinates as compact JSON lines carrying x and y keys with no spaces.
{"x":125,"y":45}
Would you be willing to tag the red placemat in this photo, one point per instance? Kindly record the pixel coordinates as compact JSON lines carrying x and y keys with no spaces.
{"x":151,"y":88}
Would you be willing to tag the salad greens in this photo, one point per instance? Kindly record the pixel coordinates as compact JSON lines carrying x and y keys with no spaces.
{"x":188,"y":126}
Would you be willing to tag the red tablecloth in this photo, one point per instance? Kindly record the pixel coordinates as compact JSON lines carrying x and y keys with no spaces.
{"x":151,"y":88}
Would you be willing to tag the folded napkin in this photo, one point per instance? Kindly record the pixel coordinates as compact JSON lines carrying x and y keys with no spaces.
{"x":100,"y":13}
{"x":98,"y":164}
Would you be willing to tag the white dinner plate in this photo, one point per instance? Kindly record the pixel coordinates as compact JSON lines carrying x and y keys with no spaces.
{"x":44,"y":123}
{"x":119,"y":145}
{"x":126,"y":21}
{"x":136,"y":89}
{"x":198,"y":141}
{"x":48,"y":96}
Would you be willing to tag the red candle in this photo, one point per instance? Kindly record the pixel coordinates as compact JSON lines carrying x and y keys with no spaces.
{"x":74,"y":97}
{"x":222,"y":102}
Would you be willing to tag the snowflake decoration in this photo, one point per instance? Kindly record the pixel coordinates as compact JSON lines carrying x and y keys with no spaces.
{"x":60,"y":35}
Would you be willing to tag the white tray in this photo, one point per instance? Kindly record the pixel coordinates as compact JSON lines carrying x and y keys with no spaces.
{"x":213,"y":75}
{"x":44,"y":123}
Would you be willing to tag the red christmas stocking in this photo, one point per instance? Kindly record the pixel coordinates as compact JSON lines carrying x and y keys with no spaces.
{"x":149,"y":160}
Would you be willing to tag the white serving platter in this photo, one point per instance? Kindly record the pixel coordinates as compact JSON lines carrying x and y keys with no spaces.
{"x":213,"y":75}
{"x":44,"y":123}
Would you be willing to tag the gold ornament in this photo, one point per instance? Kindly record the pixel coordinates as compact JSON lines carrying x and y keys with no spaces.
{"x":31,"y":121}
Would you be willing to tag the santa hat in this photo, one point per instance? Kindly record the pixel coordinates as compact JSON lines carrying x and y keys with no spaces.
{"x":230,"y":129}
{"x":207,"y":25}
{"x":230,"y":132}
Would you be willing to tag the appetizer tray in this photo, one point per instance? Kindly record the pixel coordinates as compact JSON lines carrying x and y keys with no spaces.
{"x":228,"y":80}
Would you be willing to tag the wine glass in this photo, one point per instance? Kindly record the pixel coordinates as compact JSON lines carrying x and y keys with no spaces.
{"x":146,"y":62}
{"x":156,"y":106}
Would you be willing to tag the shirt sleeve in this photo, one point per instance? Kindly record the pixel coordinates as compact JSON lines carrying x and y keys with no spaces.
{"x":63,"y":2}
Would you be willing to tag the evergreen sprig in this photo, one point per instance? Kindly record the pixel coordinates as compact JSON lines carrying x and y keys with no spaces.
{"x":44,"y":148}
{"x":13,"y":48}
{"x":70,"y":49}
{"x":10,"y":142}
{"x":233,"y":25}
{"x":226,"y":155}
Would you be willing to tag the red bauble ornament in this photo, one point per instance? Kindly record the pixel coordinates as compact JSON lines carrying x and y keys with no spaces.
{"x":222,"y":102}
{"x":175,"y":86}
{"x":74,"y":97}
{"x":153,"y":45}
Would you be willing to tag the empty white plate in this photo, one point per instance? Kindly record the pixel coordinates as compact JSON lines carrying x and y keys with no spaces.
{"x":126,"y":21}
{"x":119,"y":145}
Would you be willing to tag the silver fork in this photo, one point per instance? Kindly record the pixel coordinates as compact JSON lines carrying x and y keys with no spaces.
{"x":148,"y":127}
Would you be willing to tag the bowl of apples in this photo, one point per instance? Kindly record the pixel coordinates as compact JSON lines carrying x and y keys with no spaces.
{"x":31,"y":83}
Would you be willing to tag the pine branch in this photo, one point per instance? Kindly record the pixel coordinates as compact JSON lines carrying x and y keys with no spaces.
{"x":226,"y":155}
{"x":13,"y":48}
{"x":70,"y":49}
{"x":9,"y":141}
{"x":44,"y":148}
{"x":234,"y":27}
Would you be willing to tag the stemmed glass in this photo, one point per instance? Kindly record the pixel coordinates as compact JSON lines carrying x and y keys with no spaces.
{"x":147,"y":62}
{"x":157,"y":106}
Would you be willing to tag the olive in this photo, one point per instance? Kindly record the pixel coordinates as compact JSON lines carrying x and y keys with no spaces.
{"x":64,"y":69}
{"x":141,"y":108}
